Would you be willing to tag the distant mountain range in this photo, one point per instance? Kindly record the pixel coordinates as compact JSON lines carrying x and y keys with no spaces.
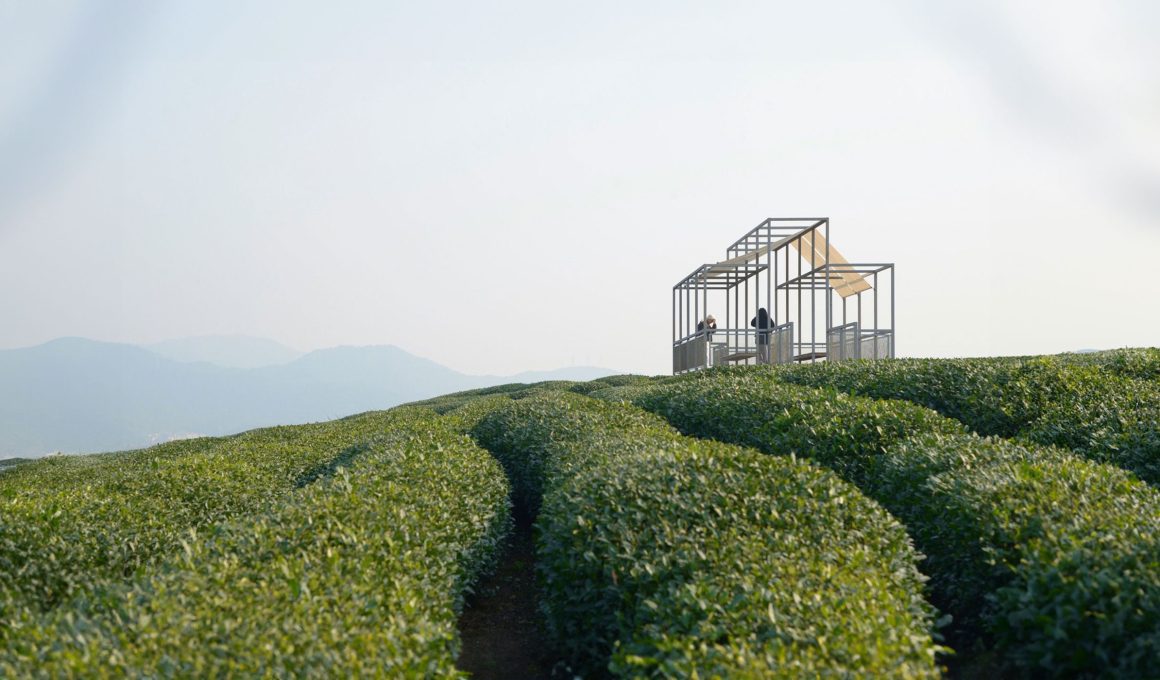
{"x":76,"y":395}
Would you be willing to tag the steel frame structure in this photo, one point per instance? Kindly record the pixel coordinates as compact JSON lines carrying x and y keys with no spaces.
{"x":820,"y":306}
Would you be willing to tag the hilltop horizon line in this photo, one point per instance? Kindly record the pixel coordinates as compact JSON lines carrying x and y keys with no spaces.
{"x":78,"y":395}
{"x":200,"y":348}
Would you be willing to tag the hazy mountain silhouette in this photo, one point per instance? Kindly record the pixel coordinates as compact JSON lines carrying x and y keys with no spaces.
{"x":232,"y":351}
{"x":78,"y":395}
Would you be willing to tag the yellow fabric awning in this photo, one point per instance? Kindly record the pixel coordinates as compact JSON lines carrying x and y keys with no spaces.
{"x":812,"y":247}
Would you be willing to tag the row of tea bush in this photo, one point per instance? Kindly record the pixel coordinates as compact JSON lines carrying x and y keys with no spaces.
{"x":1053,"y":558}
{"x":68,"y":523}
{"x":359,"y":574}
{"x":661,"y":555}
{"x":1103,"y":412}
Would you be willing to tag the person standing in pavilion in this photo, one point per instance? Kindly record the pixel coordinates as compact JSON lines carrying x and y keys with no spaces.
{"x":763,"y":324}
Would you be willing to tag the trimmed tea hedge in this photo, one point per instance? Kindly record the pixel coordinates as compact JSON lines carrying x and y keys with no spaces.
{"x":661,"y":555}
{"x":1099,"y":411}
{"x":985,"y":394}
{"x":61,"y":471}
{"x":621,"y":392}
{"x":1113,"y":419}
{"x":465,"y":417}
{"x":359,"y":575}
{"x":748,"y":406}
{"x":609,"y":381}
{"x":70,"y":523}
{"x":1137,"y":362}
{"x":1056,"y":558}
{"x":446,"y":403}
{"x":450,"y":402}
{"x":1065,"y":552}
{"x":542,"y":387}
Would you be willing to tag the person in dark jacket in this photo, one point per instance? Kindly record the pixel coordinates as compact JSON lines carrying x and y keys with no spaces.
{"x":709,"y":324}
{"x":762,"y":323}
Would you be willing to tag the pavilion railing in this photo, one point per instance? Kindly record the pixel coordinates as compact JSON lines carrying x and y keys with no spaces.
{"x":850,"y":341}
{"x":731,"y":346}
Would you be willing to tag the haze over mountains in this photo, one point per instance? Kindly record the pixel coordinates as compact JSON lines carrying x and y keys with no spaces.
{"x":77,"y":395}
{"x":231,"y":351}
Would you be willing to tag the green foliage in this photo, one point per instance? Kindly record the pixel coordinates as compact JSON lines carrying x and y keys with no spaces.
{"x":69,"y":523}
{"x":750,"y":407}
{"x":621,"y":392}
{"x":660,"y":555}
{"x":1064,"y":552}
{"x":1110,"y":418}
{"x":360,"y":574}
{"x":346,"y":548}
{"x":1137,"y":362}
{"x":609,"y":381}
{"x":1056,"y":558}
{"x":465,"y":417}
{"x":449,"y":402}
{"x":446,"y":403}
{"x":542,"y":387}
{"x":979,"y":392}
{"x":1106,"y":408}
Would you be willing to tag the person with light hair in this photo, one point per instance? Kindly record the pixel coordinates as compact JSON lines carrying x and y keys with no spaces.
{"x":707,"y":326}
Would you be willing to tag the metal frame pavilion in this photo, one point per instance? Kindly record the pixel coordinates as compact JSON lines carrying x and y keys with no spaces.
{"x":805,"y":294}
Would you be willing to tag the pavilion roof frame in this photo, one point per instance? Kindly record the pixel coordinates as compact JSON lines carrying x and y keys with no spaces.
{"x":719,"y":276}
{"x":782,"y":227}
{"x":823,"y":275}
{"x":758,"y":274}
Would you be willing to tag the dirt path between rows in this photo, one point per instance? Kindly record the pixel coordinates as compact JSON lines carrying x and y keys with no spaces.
{"x":502,"y":632}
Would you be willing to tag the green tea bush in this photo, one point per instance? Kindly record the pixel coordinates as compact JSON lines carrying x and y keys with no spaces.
{"x":1136,"y":362}
{"x":465,"y":417}
{"x":449,"y":402}
{"x":545,"y":386}
{"x":62,"y":471}
{"x":1114,"y":420}
{"x":1054,"y":558}
{"x":609,"y":381}
{"x":1063,"y":553}
{"x":360,"y":574}
{"x":749,"y":406}
{"x":70,"y":523}
{"x":506,"y":388}
{"x":1142,"y":363}
{"x":982,"y":393}
{"x":665,"y":556}
{"x":620,"y":392}
{"x":445,"y":403}
{"x":1101,"y":413}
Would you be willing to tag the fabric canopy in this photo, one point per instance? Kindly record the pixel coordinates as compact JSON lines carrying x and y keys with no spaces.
{"x":813,"y":248}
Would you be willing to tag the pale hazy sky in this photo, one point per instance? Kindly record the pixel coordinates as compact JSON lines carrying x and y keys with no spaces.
{"x":517,"y":185}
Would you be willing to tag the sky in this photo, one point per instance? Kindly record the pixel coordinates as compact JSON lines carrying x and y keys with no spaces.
{"x":515,"y":186}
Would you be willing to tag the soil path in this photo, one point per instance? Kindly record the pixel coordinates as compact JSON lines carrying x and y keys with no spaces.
{"x":502,"y":632}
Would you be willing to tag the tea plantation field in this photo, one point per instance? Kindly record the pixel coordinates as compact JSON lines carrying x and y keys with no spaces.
{"x":907,"y":518}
